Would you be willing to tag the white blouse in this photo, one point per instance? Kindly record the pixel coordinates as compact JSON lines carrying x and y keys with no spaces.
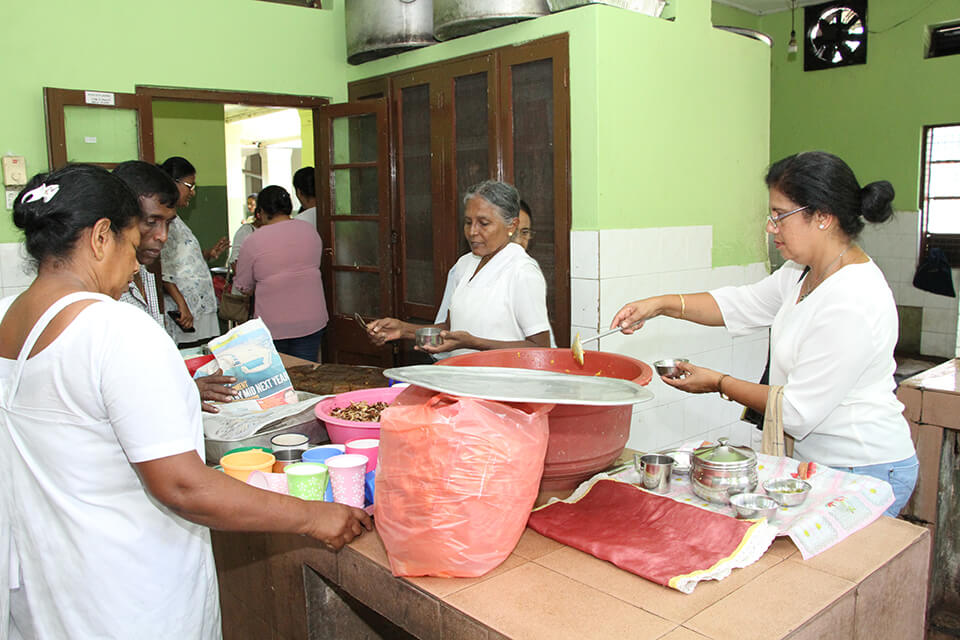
{"x":833,"y":354}
{"x":506,"y":300}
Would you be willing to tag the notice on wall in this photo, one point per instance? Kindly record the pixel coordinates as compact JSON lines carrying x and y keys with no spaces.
{"x":102,"y":98}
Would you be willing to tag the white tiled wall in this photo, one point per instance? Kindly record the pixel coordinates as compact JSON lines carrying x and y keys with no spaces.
{"x":612,"y":267}
{"x":894,"y":247}
{"x":16,"y":273}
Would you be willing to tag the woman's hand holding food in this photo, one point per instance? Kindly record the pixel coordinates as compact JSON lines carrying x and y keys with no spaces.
{"x":695,"y":379}
{"x":337,"y":524}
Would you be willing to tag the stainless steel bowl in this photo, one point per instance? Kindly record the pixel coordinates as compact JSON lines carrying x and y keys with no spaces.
{"x":668,"y":368}
{"x":788,"y":492}
{"x":428,"y":336}
{"x":682,"y":460}
{"x":753,"y":505}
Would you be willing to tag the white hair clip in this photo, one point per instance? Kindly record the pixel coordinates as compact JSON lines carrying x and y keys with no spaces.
{"x":44,"y":192}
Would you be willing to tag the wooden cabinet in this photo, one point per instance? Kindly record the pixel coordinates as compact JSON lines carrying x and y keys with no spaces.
{"x":501,"y":114}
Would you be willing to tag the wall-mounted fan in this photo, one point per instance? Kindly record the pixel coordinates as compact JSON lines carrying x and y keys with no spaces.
{"x":835,"y":34}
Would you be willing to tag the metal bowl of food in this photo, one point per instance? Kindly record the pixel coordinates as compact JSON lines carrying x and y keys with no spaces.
{"x":668,"y":368}
{"x":788,"y":492}
{"x":428,"y":336}
{"x":682,"y":460}
{"x":750,"y":506}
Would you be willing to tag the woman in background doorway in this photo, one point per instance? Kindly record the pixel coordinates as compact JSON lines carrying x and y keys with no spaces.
{"x":186,"y":275}
{"x":281,"y":263}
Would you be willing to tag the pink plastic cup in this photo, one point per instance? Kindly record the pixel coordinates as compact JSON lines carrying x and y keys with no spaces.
{"x":365,"y":447}
{"x":276,"y":482}
{"x":347,"y":473}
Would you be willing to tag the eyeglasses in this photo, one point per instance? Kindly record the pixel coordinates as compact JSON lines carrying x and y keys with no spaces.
{"x":526,"y":233}
{"x":775,"y":220}
{"x":193,"y":187}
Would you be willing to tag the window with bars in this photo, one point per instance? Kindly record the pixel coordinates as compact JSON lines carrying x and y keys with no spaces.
{"x":940,"y":191}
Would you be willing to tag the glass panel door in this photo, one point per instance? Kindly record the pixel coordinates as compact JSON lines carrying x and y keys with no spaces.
{"x":354,"y":221}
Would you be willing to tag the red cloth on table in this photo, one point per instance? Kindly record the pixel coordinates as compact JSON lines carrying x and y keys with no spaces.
{"x":652,"y":536}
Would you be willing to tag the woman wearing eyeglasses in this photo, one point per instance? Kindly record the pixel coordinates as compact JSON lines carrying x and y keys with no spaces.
{"x":186,"y":275}
{"x":833,"y":325}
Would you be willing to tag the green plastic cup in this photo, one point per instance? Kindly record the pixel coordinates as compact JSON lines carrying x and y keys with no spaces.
{"x":307,"y":480}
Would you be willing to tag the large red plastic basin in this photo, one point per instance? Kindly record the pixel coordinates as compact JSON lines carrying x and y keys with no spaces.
{"x":583,"y":439}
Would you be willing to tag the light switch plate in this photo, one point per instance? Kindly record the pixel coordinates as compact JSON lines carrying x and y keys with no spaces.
{"x":11,"y":197}
{"x":14,"y":171}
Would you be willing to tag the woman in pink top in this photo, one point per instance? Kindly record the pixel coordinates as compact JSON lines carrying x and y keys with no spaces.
{"x":281,"y":261}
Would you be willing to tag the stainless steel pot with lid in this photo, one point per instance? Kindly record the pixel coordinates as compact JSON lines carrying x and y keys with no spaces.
{"x":722,"y":470}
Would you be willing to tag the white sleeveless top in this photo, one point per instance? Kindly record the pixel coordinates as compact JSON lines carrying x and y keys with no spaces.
{"x":93,"y":553}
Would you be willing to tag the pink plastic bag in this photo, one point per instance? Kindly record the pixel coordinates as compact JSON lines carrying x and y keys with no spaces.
{"x":456,"y":481}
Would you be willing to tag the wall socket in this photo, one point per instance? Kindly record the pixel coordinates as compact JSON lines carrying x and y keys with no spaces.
{"x":14,"y":171}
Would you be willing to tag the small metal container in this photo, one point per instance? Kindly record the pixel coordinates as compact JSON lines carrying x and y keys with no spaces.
{"x":289,"y":441}
{"x":428,"y":336}
{"x":682,"y":460}
{"x":285,"y":457}
{"x":788,"y":492}
{"x":654,"y":470}
{"x":722,"y":470}
{"x":753,"y":505}
{"x":668,"y":368}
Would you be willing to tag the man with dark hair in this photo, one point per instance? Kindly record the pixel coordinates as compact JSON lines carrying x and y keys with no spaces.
{"x":157,"y":194}
{"x":304,"y":186}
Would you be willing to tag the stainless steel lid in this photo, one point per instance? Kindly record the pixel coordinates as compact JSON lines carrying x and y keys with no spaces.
{"x":725,"y":456}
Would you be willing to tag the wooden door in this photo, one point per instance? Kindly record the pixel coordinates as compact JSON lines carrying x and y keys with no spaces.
{"x":446,"y":139}
{"x":353,"y":216}
{"x":535,"y":124}
{"x":103,"y":128}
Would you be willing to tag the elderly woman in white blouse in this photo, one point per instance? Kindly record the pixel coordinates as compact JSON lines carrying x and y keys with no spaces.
{"x":833,"y":326}
{"x":496,"y":295}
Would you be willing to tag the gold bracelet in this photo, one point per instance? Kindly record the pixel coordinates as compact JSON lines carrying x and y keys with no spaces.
{"x":720,"y":387}
{"x":683,"y":306}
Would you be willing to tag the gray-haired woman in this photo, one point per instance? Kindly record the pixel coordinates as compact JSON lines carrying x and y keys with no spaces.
{"x":496,"y":295}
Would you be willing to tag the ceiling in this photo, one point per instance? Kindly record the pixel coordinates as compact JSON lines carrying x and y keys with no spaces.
{"x":764,"y":7}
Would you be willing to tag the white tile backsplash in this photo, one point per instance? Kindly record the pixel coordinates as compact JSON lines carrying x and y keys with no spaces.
{"x":584,"y":254}
{"x":585,"y":302}
{"x":894,"y":247}
{"x":639,"y":263}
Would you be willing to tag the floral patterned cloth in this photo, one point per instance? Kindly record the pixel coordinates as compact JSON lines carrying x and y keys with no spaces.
{"x":838,"y":505}
{"x":184,"y":266}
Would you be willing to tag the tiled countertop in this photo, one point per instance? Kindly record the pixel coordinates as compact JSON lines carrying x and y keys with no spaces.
{"x":870,"y":586}
{"x":547,"y":590}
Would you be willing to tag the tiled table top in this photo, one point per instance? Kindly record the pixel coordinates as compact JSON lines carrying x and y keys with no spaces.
{"x":547,"y":590}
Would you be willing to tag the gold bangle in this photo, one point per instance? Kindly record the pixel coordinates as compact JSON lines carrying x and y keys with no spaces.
{"x":683,"y":306}
{"x":720,"y":387}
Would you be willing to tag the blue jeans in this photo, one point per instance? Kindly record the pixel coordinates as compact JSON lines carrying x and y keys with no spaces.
{"x":306,"y":347}
{"x":901,"y":475}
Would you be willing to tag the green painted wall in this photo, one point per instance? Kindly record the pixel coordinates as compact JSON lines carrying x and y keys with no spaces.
{"x":683,"y":129}
{"x":871,"y":115}
{"x":114,"y":45}
{"x":669,"y":119}
{"x":195,"y":131}
{"x":730,"y":17}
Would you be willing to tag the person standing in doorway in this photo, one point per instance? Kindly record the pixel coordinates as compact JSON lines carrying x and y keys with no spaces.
{"x":304,"y":186}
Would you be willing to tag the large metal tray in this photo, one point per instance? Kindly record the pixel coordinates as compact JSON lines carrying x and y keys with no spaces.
{"x":522,"y":385}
